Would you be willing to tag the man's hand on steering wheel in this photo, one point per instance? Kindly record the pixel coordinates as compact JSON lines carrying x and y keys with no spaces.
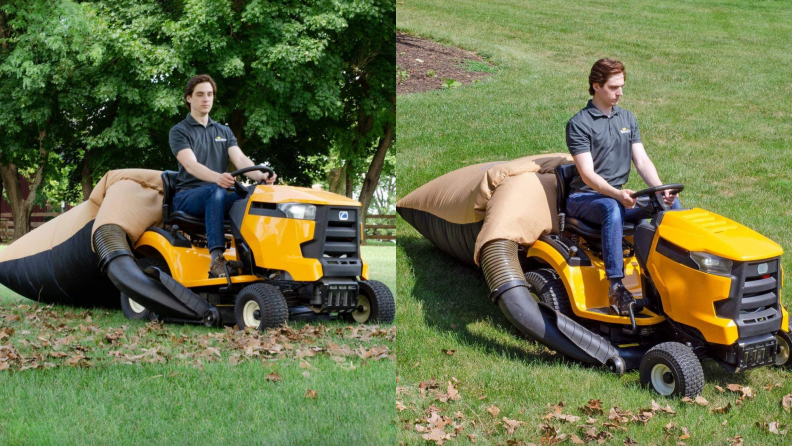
{"x":267,"y":178}
{"x":224,"y":180}
{"x":626,"y":199}
{"x":669,"y":196}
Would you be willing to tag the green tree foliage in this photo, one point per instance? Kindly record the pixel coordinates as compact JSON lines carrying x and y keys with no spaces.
{"x":105,"y":80}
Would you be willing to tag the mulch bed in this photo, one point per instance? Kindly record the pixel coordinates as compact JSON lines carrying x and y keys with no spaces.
{"x":426,"y":63}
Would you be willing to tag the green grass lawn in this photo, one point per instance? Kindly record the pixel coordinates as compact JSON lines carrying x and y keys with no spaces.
{"x":709,"y":83}
{"x":140,"y":383}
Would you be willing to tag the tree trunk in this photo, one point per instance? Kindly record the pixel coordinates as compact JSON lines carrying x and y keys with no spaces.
{"x":22,"y":208}
{"x":336,"y":180}
{"x":350,"y":187}
{"x":375,"y":169}
{"x":86,"y":177}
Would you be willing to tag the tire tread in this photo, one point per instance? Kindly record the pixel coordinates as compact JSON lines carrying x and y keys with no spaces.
{"x":682,"y":359}
{"x":383,"y":306}
{"x":274,"y":310}
{"x":547,"y":284}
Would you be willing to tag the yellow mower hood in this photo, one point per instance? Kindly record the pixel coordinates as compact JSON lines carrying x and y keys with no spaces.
{"x":703,"y":231}
{"x":290,"y":194}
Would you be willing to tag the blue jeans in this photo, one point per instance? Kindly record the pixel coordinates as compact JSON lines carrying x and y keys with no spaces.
{"x":596,"y":208}
{"x":211,"y":202}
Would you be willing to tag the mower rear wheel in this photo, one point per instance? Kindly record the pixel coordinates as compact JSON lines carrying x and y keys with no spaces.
{"x":672,"y":369}
{"x":262,"y":306}
{"x":546,"y":286}
{"x":375,"y":304}
{"x":134,"y":310}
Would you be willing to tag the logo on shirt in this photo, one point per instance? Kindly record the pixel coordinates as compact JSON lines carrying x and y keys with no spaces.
{"x":624,"y":130}
{"x":220,"y":139}
{"x":343,"y":215}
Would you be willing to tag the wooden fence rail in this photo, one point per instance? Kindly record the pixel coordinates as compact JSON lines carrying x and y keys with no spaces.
{"x":7,"y":224}
{"x":373,"y":228}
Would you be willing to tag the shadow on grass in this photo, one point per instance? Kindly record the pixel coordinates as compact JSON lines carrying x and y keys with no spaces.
{"x":454,"y":296}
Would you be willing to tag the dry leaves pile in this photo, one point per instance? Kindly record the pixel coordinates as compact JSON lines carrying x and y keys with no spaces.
{"x":41,"y":337}
{"x":435,"y":426}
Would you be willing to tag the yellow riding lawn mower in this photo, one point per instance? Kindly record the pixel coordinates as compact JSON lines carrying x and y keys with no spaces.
{"x":706,"y":287}
{"x":292,"y":253}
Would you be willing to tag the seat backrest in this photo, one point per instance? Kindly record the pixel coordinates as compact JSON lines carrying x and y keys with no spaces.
{"x":565,"y":173}
{"x":168,"y":191}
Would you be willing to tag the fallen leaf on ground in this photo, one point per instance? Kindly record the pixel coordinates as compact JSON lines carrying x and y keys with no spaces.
{"x":774,"y":427}
{"x":594,"y":407}
{"x":511,"y":425}
{"x":272,"y":377}
{"x":400,"y":406}
{"x":667,"y":409}
{"x":494,"y":410}
{"x":449,"y":352}
{"x":786,"y":402}
{"x":437,"y":435}
{"x":310,"y":393}
{"x":722,"y":410}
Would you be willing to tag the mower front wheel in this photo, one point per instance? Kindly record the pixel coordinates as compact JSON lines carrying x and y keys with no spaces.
{"x":783,"y":357}
{"x":375,"y":304}
{"x":132,"y":309}
{"x":672,"y":369}
{"x":262,"y":306}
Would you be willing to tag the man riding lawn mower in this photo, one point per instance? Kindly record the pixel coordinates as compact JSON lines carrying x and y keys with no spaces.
{"x":708,"y":287}
{"x":291,"y":251}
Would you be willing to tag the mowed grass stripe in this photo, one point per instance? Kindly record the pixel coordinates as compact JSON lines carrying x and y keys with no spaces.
{"x":709,"y":84}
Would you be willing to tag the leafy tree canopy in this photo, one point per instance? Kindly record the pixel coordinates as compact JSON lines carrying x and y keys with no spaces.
{"x":104,"y":80}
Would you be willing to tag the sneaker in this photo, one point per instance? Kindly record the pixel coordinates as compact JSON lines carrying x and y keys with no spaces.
{"x":620,"y":300}
{"x":217,"y":268}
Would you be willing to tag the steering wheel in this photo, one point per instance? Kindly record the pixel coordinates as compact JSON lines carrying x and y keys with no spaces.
{"x":240,"y":188}
{"x":655,"y":199}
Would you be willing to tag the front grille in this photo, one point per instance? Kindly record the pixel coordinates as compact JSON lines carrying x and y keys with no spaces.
{"x":341,"y":237}
{"x":753,"y":299}
{"x":759,"y":301}
{"x":336,"y":241}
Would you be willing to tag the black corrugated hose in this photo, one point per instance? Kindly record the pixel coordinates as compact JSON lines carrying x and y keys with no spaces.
{"x":117,"y":261}
{"x":510,"y":291}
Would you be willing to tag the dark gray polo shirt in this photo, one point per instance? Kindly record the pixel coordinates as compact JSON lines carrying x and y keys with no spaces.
{"x":608,"y":138}
{"x":210,"y":145}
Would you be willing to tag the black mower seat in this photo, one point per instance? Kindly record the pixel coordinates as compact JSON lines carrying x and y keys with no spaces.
{"x":565,"y":173}
{"x":186,"y":222}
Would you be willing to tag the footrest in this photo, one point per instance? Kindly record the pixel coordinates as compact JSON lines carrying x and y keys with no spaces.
{"x":606,"y":310}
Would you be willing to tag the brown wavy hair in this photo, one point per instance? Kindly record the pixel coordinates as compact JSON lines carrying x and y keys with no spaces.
{"x":602,"y":70}
{"x":195,"y":80}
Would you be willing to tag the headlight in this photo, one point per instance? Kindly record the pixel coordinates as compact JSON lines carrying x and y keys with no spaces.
{"x":711,"y":264}
{"x":299,"y":211}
